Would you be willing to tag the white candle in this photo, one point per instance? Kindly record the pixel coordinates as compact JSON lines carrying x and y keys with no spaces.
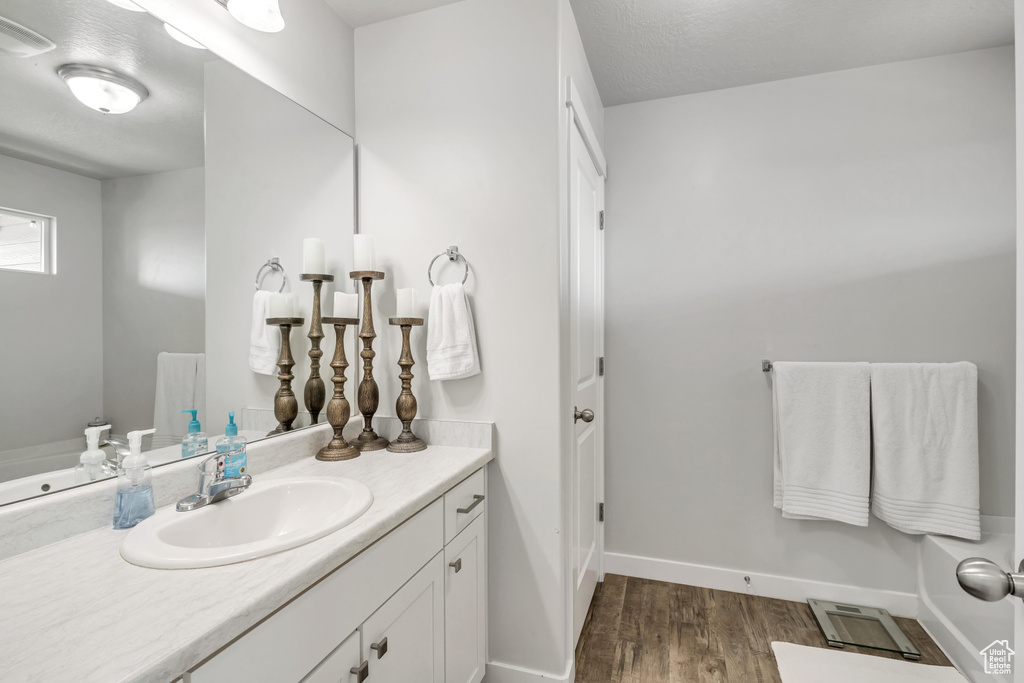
{"x":280,"y":306}
{"x":406,"y":303}
{"x":363,"y":257}
{"x":313,"y":260}
{"x":293,"y":305}
{"x":345,"y":305}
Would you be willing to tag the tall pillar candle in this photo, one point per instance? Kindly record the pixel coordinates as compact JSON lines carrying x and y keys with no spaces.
{"x":345,"y":305}
{"x":364,"y":257}
{"x":313,"y":259}
{"x":406,"y":303}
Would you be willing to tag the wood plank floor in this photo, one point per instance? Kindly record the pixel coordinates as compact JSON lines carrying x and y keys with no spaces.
{"x":642,"y":631}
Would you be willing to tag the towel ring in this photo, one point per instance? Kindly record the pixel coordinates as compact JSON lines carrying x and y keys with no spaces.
{"x":274,"y":266}
{"x":453,"y":255}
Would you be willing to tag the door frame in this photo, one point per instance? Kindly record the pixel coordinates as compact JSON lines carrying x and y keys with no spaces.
{"x":576,"y":115}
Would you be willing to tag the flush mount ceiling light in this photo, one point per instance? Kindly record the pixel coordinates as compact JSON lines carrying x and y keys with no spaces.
{"x":182,"y":38}
{"x":262,"y":15}
{"x":101,"y":89}
{"x":126,"y":4}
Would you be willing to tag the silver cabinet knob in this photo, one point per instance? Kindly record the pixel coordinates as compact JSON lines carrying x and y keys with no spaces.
{"x":985,"y":580}
{"x":587,"y":415}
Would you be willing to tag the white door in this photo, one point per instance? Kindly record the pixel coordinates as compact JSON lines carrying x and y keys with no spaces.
{"x":586,"y":206}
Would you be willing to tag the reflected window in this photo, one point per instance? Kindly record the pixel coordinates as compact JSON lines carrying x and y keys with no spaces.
{"x":25,"y":242}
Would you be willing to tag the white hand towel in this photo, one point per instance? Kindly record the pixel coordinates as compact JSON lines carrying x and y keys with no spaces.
{"x":822,"y":440}
{"x":451,"y":335}
{"x":264,"y":339}
{"x":925,"y":419}
{"x":180,"y":385}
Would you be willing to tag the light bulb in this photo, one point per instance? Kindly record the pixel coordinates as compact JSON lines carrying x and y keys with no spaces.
{"x":182,"y":38}
{"x":101,"y":89}
{"x":262,"y":15}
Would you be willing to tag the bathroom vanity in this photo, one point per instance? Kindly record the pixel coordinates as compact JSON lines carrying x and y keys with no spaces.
{"x":399,"y":594}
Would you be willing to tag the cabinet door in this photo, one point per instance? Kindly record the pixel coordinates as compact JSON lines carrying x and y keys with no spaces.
{"x":404,"y":640}
{"x":341,"y":666}
{"x":465,"y":590}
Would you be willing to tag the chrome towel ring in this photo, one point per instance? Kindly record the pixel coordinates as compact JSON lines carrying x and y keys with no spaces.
{"x":271,"y":266}
{"x":453,"y":255}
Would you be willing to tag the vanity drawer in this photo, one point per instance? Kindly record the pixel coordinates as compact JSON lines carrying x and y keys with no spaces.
{"x":463,"y":504}
{"x":339,"y":665}
{"x":293,"y":640}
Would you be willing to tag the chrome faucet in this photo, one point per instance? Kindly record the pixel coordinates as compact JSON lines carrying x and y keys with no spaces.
{"x":121,"y":451}
{"x":213,"y":485}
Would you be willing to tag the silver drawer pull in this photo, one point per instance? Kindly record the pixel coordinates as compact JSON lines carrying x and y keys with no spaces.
{"x":361,"y":672}
{"x":380,"y":648}
{"x":456,"y":565}
{"x":477,"y":499}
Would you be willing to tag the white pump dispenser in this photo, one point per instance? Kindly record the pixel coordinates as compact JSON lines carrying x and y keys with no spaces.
{"x":134,"y":501}
{"x":90,"y":464}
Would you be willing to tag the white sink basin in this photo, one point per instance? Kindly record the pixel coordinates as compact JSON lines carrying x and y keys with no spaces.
{"x":269,"y":517}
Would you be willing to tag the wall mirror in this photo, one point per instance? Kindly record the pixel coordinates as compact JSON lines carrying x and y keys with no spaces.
{"x":143,"y":183}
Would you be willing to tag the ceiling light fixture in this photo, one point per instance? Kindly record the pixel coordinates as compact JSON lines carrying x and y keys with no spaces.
{"x":126,"y":4}
{"x":101,"y":89}
{"x":262,"y":15}
{"x":182,"y":38}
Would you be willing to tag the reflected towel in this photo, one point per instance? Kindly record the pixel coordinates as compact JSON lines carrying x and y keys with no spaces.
{"x":451,"y":335}
{"x":925,"y":419}
{"x":180,"y":385}
{"x":264,"y":339}
{"x":822,"y":440}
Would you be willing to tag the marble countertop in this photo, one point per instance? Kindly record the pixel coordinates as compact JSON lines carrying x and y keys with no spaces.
{"x":76,"y":611}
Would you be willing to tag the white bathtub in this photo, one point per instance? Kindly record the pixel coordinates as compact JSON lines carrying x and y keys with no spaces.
{"x":962,"y":625}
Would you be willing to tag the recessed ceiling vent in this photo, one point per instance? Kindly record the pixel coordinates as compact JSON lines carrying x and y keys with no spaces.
{"x":18,"y":41}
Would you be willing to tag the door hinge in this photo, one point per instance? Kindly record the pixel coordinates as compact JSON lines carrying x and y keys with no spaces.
{"x":600,"y":512}
{"x":600,"y":366}
{"x":601,"y":219}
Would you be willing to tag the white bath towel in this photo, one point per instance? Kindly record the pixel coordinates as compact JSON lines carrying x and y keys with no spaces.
{"x":180,"y":385}
{"x":264,"y":339}
{"x":822,"y":440}
{"x":925,"y":420}
{"x":451,"y":335}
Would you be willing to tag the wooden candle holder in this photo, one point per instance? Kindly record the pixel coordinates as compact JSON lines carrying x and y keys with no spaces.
{"x":369,"y":393}
{"x":315,"y":393}
{"x":286,"y":406}
{"x":405,"y":407}
{"x":339,"y":410}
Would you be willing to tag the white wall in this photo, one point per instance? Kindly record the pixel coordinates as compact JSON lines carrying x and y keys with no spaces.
{"x":860,"y":215}
{"x":271,"y":180}
{"x":311,"y":60}
{"x":458,"y":112}
{"x":53,"y":372}
{"x":154,"y":285}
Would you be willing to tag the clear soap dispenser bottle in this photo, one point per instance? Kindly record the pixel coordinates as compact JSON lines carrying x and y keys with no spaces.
{"x":233,"y":446}
{"x":134,"y":501}
{"x":90,"y":464}
{"x":195,"y":442}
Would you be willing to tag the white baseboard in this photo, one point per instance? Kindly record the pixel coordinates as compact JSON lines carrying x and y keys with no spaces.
{"x":767,"y":585}
{"x":500,"y":672}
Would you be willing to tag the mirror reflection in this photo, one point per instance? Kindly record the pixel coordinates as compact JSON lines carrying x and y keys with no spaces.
{"x":127,"y":253}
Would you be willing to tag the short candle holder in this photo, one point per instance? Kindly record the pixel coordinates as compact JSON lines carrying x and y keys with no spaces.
{"x":315,"y":393}
{"x":286,"y":406}
{"x":407,"y":442}
{"x":339,"y":410}
{"x":369,"y":393}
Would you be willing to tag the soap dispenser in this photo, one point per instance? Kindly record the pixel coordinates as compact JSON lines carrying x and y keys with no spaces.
{"x":134,"y":501}
{"x":90,"y":464}
{"x":233,"y":446}
{"x":195,"y":442}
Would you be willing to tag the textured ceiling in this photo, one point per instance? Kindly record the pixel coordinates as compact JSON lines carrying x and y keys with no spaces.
{"x":358,"y":13}
{"x":41,"y":121}
{"x":648,"y":49}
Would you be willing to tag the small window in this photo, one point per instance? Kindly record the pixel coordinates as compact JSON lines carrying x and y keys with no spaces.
{"x":25,"y":242}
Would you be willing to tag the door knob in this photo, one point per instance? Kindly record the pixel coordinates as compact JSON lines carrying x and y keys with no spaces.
{"x":985,"y":580}
{"x":587,"y":415}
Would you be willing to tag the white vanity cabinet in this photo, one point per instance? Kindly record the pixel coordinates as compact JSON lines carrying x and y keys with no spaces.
{"x":411,"y":608}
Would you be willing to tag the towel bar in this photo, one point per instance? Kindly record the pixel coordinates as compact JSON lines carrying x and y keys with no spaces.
{"x":274,"y":265}
{"x":453,"y":255}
